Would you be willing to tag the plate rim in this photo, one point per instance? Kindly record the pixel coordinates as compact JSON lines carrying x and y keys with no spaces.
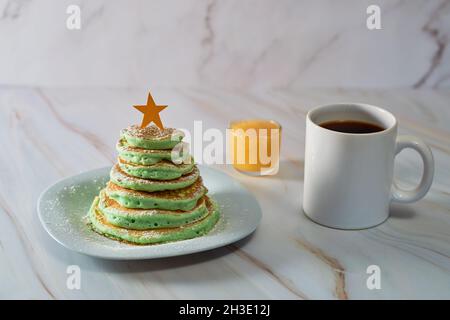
{"x":141,"y":255}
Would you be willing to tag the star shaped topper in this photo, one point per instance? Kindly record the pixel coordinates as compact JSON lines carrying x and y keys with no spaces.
{"x":151,"y":113}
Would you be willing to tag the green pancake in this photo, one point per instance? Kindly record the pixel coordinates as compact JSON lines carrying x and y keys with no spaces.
{"x":150,"y":185}
{"x":151,"y":137}
{"x":163,"y":170}
{"x":182,"y":199}
{"x":140,"y":219}
{"x":154,"y":236}
{"x":146,"y":156}
{"x":155,"y":194}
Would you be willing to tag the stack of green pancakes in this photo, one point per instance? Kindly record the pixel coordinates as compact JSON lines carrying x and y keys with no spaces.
{"x":154,"y":194}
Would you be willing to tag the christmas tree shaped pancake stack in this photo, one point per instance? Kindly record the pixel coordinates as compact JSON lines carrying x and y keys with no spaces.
{"x":151,"y":197}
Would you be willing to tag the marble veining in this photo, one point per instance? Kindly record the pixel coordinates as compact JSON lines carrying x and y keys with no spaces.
{"x":233,"y":43}
{"x":441,"y":41}
{"x":50,"y":133}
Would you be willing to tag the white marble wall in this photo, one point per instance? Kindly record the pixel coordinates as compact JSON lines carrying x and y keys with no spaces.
{"x":230,"y":43}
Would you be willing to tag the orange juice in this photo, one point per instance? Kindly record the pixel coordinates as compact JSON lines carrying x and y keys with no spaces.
{"x":255,"y":146}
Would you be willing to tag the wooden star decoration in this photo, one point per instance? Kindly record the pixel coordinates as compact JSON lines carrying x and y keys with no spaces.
{"x":151,"y":113}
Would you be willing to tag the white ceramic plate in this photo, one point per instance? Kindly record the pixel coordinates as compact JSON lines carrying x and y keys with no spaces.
{"x":62,"y":209}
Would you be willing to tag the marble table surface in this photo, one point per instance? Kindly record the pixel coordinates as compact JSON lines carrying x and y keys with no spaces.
{"x":49,"y":133}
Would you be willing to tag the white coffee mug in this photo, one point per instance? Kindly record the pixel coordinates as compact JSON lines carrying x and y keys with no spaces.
{"x":348,"y":176}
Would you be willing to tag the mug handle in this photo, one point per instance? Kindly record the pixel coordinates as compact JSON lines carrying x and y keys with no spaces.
{"x":405,"y":196}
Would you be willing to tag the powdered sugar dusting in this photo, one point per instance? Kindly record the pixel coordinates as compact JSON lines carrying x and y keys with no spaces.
{"x":64,"y":207}
{"x":118,"y":175}
{"x":151,"y":132}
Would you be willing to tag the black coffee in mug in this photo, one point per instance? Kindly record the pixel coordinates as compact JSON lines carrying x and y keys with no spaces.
{"x":351,"y":126}
{"x":349,"y":178}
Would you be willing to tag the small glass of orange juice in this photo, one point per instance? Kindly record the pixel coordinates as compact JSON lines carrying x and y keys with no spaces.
{"x":255,"y":146}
